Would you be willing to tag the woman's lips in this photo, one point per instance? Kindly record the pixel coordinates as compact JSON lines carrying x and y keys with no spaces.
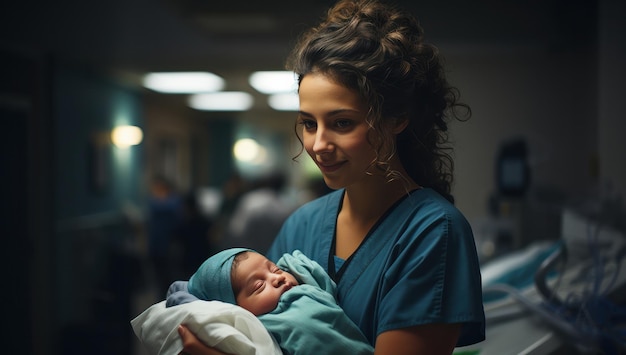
{"x":329,"y":168}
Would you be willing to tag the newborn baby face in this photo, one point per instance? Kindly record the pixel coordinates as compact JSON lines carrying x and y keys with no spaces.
{"x":258,"y":283}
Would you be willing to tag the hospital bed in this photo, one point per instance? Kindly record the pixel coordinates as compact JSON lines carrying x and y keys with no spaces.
{"x":558,"y":297}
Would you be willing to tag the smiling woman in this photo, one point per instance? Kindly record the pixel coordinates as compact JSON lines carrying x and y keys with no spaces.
{"x":334,"y":131}
{"x":374,"y":112}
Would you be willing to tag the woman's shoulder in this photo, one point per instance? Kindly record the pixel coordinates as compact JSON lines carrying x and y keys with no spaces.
{"x":427,"y":198}
{"x":428,"y":206}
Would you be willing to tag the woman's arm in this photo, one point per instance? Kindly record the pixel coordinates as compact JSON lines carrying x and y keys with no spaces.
{"x":193,"y":346}
{"x":431,"y":339}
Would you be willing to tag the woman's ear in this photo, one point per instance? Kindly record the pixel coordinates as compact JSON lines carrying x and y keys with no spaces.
{"x":400,"y":125}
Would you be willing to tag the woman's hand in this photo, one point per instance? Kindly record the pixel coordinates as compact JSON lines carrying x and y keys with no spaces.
{"x":192,"y":345}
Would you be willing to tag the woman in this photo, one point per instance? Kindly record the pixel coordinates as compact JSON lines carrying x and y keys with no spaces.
{"x":374,"y":107}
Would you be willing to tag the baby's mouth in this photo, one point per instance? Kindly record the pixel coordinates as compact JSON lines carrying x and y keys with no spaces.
{"x":287,"y":286}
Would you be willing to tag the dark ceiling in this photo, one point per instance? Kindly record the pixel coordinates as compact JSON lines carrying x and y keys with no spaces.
{"x":180,"y":34}
{"x":239,"y":36}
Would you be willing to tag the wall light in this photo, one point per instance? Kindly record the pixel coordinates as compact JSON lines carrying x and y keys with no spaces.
{"x":273,"y":82}
{"x":125,"y":136}
{"x":249,"y":151}
{"x":183,"y":82}
{"x":222,"y":101}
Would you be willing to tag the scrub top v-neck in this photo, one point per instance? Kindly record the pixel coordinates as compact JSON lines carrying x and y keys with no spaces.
{"x":336,"y":265}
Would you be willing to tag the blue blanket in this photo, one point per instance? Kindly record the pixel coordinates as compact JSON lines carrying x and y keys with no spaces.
{"x":308,"y":319}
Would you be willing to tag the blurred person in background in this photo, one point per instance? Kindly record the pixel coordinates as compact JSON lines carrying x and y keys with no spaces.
{"x":164,"y":216}
{"x":193,"y":235}
{"x":259,"y":214}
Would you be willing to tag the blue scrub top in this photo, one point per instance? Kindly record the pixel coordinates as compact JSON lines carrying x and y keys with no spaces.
{"x":418,"y":264}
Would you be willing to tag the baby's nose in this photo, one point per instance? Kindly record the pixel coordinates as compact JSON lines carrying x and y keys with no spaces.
{"x":278,"y":280}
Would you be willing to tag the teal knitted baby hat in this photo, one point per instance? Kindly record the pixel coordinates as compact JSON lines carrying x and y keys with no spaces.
{"x":211,"y":282}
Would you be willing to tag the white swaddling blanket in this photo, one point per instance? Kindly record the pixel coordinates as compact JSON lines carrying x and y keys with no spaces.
{"x":224,"y":326}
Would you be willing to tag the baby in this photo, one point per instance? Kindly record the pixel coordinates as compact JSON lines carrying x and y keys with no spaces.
{"x":298,"y":306}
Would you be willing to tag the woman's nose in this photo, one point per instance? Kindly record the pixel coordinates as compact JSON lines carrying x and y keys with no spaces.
{"x":322,"y":143}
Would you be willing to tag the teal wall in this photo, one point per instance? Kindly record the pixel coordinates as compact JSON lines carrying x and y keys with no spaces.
{"x":86,"y":110}
{"x":93,"y":182}
{"x":221,"y":139}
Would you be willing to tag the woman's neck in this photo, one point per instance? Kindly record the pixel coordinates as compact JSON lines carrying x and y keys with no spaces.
{"x":363,"y":205}
{"x":368,"y":201}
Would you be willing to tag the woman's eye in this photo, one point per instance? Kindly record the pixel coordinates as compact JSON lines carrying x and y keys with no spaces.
{"x":343,"y":123}
{"x":308,"y":124}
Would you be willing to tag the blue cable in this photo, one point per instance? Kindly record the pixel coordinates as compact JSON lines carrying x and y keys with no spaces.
{"x":590,"y":321}
{"x":593,"y":315}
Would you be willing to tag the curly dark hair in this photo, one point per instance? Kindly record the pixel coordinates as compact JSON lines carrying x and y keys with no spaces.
{"x":378,"y":50}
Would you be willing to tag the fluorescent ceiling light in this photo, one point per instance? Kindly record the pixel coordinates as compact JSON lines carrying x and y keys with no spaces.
{"x":183,"y":82}
{"x":273,"y":82}
{"x":222,"y":101}
{"x":284,"y":102}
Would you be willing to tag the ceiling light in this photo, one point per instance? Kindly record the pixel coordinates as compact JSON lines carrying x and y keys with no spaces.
{"x":284,"y":102}
{"x":222,"y":101}
{"x":183,"y":82}
{"x":273,"y":82}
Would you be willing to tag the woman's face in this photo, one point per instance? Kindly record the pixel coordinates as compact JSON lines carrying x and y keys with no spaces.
{"x":258,"y":283}
{"x":334,"y":130}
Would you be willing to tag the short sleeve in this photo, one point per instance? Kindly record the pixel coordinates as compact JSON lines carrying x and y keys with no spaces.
{"x":434,"y":277}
